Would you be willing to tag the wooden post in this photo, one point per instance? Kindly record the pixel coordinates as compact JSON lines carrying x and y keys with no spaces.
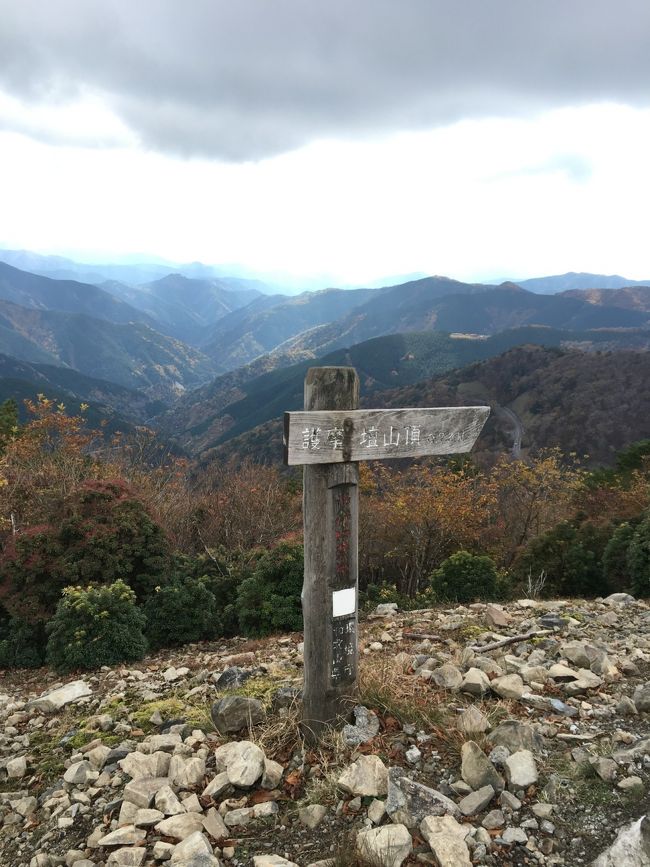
{"x":330,"y":590}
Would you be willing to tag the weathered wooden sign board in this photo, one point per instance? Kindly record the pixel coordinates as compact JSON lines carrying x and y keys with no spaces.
{"x":329,"y":438}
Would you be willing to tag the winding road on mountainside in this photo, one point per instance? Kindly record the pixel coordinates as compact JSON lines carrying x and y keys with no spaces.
{"x":505,"y":412}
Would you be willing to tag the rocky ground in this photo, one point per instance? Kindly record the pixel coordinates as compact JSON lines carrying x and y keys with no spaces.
{"x":468,"y":748}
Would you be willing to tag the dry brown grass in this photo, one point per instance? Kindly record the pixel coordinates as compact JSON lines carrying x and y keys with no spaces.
{"x":385,"y":688}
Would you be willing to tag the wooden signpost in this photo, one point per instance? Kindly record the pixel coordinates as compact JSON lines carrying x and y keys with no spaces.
{"x":329,"y":438}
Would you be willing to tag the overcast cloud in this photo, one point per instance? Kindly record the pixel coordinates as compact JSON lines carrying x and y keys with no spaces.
{"x":249,"y":79}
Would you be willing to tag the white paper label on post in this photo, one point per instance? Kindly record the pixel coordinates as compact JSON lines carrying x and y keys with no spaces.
{"x":344,"y":602}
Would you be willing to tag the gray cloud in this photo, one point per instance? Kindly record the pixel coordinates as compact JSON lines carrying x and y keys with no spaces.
{"x":245,"y":79}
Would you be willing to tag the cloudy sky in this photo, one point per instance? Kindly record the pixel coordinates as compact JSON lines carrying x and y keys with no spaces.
{"x":345,"y":138}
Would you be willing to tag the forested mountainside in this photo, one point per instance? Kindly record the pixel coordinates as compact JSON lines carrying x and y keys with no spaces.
{"x":592,"y":404}
{"x":240,"y":400}
{"x":133,"y":354}
{"x":65,"y":296}
{"x":628,"y":297}
{"x":487,"y":312}
{"x":31,"y":379}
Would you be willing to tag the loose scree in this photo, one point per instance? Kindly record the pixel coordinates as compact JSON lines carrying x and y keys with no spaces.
{"x":329,"y":438}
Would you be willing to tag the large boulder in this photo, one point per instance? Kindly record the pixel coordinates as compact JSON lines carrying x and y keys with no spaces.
{"x":58,"y":698}
{"x":234,"y":713}
{"x":631,"y":847}
{"x":388,"y":846}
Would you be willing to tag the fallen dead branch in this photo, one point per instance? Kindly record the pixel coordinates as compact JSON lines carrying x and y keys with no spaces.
{"x":505,"y":641}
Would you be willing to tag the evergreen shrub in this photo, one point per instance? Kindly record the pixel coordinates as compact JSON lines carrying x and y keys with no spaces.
{"x":22,"y":644}
{"x":615,"y":556}
{"x":181,"y":611}
{"x":94,"y":626}
{"x":269,"y":600}
{"x":638,"y":559}
{"x":571,"y":555}
{"x":464,"y":577}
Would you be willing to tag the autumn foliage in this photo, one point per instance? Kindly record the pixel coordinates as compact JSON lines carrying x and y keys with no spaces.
{"x":79,"y":511}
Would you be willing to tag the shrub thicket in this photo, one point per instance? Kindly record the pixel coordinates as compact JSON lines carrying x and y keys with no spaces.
{"x":464,"y":577}
{"x":107,"y":535}
{"x":638,"y":559}
{"x":95,"y":626}
{"x":615,"y":568}
{"x":22,"y":644}
{"x":571,"y":555}
{"x":269,"y":600}
{"x":181,"y":611}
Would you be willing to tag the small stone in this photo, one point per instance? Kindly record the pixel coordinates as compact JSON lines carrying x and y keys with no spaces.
{"x":476,"y":768}
{"x":475,"y":682}
{"x":368,"y":776}
{"x":194,"y":851}
{"x":272,"y":775}
{"x":446,"y":839}
{"x":514,"y":835}
{"x":132,"y":857}
{"x":517,"y":736}
{"x":147,"y":818}
{"x":186,"y":773}
{"x":476,"y":801}
{"x":142,"y":792}
{"x":447,"y":676}
{"x":626,"y":706}
{"x":509,"y":686}
{"x":214,"y":825}
{"x":509,"y":802}
{"x":243,"y":761}
{"x":642,"y":697}
{"x":496,"y":616}
{"x":16,"y":768}
{"x":313,"y":815}
{"x":521,"y":770}
{"x":632,"y":785}
{"x":494,"y":819}
{"x":607,"y":769}
{"x":388,"y":846}
{"x":366,"y":726}
{"x":272,"y":861}
{"x":413,"y":755}
{"x":472,"y":721}
{"x":376,"y":811}
{"x":129,"y":835}
{"x":78,"y":773}
{"x":180,"y":827}
{"x":167,"y":802}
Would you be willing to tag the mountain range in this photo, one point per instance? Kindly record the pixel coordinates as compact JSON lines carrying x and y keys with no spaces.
{"x":150,"y":351}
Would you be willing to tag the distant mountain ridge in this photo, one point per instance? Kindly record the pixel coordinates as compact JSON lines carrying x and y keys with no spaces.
{"x":590,"y":404}
{"x":574,"y":280}
{"x":133,"y":355}
{"x":65,"y":296}
{"x":239,"y":401}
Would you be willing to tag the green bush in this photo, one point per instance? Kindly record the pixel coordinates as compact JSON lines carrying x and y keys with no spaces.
{"x":269,"y":600}
{"x":376,"y":594}
{"x":95,"y":626}
{"x":615,"y":568}
{"x":638,"y":559}
{"x":22,"y":644}
{"x":106,"y":536}
{"x":464,"y":577}
{"x":571,"y":555}
{"x":222,"y":572}
{"x":181,"y":611}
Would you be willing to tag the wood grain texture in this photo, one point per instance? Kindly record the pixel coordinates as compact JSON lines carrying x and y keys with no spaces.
{"x":331,"y":515}
{"x":327,"y":436}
